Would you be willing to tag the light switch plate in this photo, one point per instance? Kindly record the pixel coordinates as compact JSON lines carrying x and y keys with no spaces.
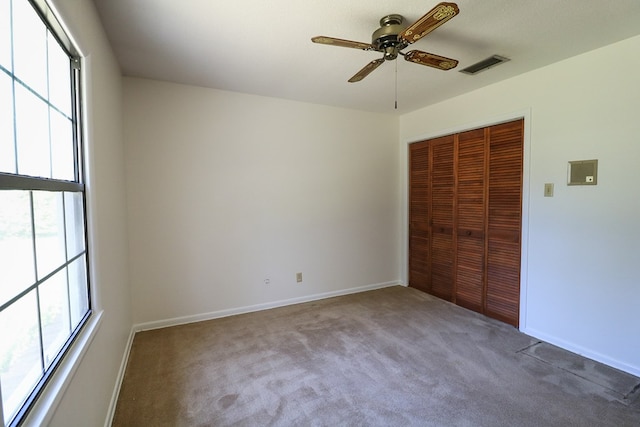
{"x":548,"y":189}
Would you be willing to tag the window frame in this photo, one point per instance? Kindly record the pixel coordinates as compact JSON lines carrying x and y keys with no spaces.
{"x":41,"y":402}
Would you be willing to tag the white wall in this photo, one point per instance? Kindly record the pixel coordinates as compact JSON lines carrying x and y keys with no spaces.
{"x":582,"y":285}
{"x":226,"y":189}
{"x":86,"y":399}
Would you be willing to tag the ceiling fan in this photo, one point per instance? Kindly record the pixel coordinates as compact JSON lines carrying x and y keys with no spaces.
{"x":393,"y":36}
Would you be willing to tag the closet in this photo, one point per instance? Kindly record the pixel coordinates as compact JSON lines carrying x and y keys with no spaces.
{"x":465,"y":198}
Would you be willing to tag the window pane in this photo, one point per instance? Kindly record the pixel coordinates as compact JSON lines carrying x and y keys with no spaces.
{"x":32,"y":128}
{"x":59,"y":77}
{"x":16,"y":245}
{"x":54,"y":315}
{"x":7,"y":151}
{"x":5,"y":34}
{"x":43,"y":256}
{"x":49,"y":229}
{"x":78,"y":294}
{"x":74,"y":217}
{"x":20,"y":362}
{"x":61,"y":147}
{"x":29,"y":47}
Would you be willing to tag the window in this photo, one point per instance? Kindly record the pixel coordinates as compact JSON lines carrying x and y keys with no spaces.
{"x":44,"y":286}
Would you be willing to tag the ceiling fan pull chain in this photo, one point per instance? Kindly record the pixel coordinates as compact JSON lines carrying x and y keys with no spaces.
{"x":396,"y":104}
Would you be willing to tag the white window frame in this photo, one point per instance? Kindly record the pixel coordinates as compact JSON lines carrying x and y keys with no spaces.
{"x":42,"y":408}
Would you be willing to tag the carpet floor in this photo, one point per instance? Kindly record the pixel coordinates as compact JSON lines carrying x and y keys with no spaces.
{"x":389,"y":357}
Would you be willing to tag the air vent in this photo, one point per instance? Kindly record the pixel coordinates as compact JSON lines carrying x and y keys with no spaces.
{"x":491,"y":61}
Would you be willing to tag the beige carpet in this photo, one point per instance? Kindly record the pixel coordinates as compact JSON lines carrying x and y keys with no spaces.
{"x":390,"y":357}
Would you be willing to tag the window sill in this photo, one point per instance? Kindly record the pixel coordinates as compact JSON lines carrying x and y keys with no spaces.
{"x":46,"y":404}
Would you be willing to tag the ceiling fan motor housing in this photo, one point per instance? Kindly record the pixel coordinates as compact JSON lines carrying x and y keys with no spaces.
{"x":385,"y":39}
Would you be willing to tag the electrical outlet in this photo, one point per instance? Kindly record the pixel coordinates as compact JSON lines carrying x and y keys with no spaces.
{"x":267,"y":281}
{"x":298,"y":277}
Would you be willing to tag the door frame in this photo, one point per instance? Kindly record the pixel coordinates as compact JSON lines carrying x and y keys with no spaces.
{"x":526,"y":157}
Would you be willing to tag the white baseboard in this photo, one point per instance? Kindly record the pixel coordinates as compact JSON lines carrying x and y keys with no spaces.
{"x":116,"y":390}
{"x":258,"y":307}
{"x":633,"y":370}
{"x":216,"y":315}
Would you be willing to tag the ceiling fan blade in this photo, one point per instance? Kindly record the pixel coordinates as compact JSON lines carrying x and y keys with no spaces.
{"x":429,"y":22}
{"x":431,"y":60}
{"x":366,"y":70}
{"x":342,"y":43}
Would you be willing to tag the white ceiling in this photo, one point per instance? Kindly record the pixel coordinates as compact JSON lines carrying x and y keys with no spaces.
{"x":263,"y":47}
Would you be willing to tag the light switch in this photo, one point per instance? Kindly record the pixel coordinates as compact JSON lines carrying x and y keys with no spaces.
{"x":548,"y":190}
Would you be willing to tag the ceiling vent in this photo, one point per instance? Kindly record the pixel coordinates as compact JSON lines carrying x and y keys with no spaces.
{"x":491,"y":61}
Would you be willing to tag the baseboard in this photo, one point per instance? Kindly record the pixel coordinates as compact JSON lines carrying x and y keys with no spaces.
{"x":633,"y":370}
{"x":116,"y":391}
{"x":258,"y":307}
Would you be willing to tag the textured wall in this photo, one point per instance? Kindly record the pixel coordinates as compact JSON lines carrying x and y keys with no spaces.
{"x":226,"y":189}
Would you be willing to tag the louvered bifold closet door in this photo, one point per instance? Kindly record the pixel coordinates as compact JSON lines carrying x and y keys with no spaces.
{"x":471,"y":216}
{"x":442,"y":216}
{"x":504,"y":222}
{"x":465,"y":219}
{"x":419,"y":199}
